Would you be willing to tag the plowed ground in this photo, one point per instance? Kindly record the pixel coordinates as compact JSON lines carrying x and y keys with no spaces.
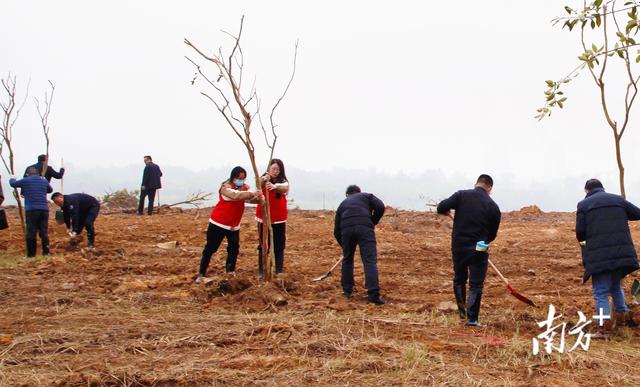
{"x":130,"y":314}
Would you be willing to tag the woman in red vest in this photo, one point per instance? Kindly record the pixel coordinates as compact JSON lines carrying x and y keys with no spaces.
{"x":276,"y":186}
{"x":225,"y":220}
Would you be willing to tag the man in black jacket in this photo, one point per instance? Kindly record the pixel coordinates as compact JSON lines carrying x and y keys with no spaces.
{"x":50,"y":173}
{"x":355,"y":220}
{"x":608,"y":254}
{"x":475,"y":225}
{"x":80,"y":211}
{"x":150,"y":183}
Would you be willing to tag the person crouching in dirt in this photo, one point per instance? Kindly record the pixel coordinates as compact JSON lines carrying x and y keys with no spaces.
{"x":225,"y":220}
{"x":475,"y":225}
{"x":608,"y":254}
{"x":355,"y":222}
{"x":80,"y":211}
{"x":276,"y":185}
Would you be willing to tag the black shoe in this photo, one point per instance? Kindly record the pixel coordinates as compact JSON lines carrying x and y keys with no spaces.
{"x":472,"y":324}
{"x":375,"y":300}
{"x":461,"y":298}
{"x":347,"y":295}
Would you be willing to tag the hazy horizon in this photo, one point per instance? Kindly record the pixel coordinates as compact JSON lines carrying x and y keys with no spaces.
{"x":325,"y":189}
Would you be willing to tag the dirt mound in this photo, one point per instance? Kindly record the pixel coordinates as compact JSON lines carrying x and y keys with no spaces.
{"x":532,"y":210}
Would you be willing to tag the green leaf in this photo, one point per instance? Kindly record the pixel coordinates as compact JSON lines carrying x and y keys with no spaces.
{"x":631,"y":41}
{"x":594,"y":47}
{"x":597,"y":3}
{"x":598,"y":20}
{"x":550,"y":83}
{"x":560,"y":104}
{"x":620,"y":53}
{"x":562,"y":99}
{"x":638,"y":59}
{"x":568,"y":9}
{"x":550,"y":97}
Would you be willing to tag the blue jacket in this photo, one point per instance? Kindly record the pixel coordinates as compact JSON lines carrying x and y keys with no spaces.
{"x":151,"y":177}
{"x":34,"y":189}
{"x":359,"y":209}
{"x":602,"y":221}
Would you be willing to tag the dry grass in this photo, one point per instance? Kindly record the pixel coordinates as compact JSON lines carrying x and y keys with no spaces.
{"x":130,"y":315}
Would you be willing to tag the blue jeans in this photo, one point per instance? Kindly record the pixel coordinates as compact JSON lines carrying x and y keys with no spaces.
{"x":606,"y":283}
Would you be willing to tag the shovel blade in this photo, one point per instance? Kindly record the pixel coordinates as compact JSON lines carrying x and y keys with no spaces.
{"x":520,"y":296}
{"x":325,"y":275}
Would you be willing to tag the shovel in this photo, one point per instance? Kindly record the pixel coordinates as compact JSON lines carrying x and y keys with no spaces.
{"x":59,"y":214}
{"x":510,"y":288}
{"x":325,"y":275}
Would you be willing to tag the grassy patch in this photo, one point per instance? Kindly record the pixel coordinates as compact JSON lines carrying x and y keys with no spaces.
{"x":9,"y":259}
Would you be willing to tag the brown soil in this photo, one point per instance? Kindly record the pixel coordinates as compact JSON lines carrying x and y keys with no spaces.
{"x":129,"y":313}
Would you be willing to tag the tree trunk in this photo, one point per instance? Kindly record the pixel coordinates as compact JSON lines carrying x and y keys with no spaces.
{"x":620,"y":166}
{"x":265,"y":257}
{"x":16,"y":195}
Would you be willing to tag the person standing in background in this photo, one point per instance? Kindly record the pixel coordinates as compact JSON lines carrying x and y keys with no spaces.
{"x":150,"y":184}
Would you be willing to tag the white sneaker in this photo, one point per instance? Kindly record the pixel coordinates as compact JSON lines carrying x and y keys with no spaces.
{"x":199,"y":279}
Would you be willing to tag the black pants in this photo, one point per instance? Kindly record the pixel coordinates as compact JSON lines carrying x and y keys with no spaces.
{"x":471,"y":265}
{"x":87,"y":219}
{"x":37,"y":223}
{"x":151,"y":193}
{"x":279,"y":240}
{"x":215,"y":235}
{"x":365,"y":238}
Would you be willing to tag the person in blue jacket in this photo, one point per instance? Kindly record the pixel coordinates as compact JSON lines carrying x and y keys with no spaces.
{"x":150,"y":184}
{"x":608,"y":254}
{"x":80,"y":211}
{"x":35,"y":189}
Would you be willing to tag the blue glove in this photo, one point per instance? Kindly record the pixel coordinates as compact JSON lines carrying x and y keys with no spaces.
{"x":482,"y":246}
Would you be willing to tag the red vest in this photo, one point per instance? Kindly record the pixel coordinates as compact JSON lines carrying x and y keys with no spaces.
{"x":228,"y":213}
{"x":278,"y":207}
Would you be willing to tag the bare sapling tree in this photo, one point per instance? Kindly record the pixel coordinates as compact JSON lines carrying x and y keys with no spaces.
{"x":239,"y":107}
{"x":44,"y":112}
{"x":615,"y":27}
{"x":11,"y":111}
{"x":195,"y":199}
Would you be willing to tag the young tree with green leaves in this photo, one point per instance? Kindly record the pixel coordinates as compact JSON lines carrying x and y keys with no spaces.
{"x":607,"y":31}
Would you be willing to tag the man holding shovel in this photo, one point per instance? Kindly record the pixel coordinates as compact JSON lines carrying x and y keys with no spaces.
{"x":608,"y":254}
{"x":475,"y":225}
{"x":355,"y":220}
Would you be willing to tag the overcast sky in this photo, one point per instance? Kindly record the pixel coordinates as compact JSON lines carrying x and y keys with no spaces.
{"x":387,"y":86}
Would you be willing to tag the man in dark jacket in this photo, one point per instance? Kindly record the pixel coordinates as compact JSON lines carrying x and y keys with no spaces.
{"x":608,"y":254}
{"x":150,"y":183}
{"x":475,"y":225}
{"x":80,"y":211}
{"x":355,"y":220}
{"x":36,"y":208}
{"x":50,"y":173}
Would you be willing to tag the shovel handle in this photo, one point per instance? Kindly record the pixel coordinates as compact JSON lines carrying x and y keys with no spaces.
{"x":336,"y":264}
{"x":498,"y":272}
